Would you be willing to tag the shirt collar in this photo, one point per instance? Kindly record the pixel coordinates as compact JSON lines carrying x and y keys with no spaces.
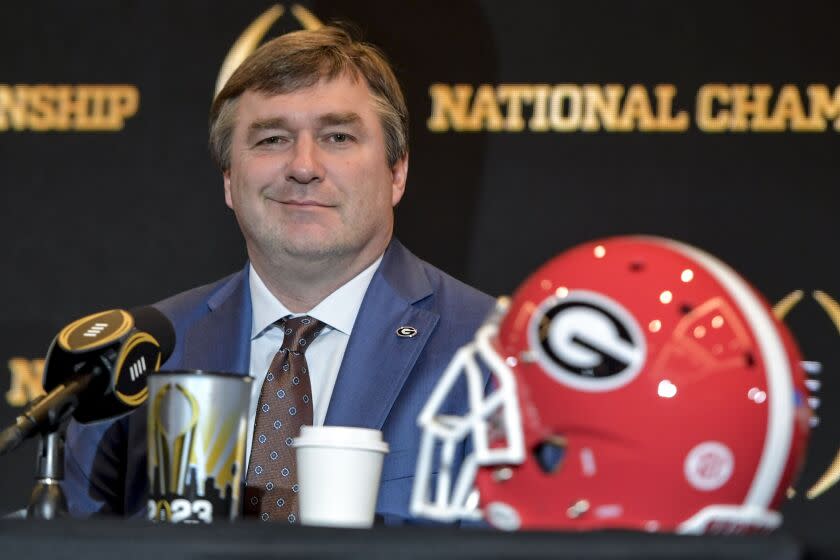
{"x":338,"y":310}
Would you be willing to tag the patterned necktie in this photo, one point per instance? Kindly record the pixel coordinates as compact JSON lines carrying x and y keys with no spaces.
{"x":285,"y":405}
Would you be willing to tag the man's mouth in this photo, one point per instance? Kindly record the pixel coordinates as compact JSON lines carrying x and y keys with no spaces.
{"x":301,"y":202}
{"x":304,"y":202}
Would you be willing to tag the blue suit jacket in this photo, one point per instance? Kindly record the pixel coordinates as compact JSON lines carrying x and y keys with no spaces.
{"x":383,"y":381}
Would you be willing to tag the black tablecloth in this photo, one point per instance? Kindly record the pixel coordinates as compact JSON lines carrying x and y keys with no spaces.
{"x":126,"y":540}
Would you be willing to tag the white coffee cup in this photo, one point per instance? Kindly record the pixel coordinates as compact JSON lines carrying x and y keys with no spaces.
{"x":338,"y":472}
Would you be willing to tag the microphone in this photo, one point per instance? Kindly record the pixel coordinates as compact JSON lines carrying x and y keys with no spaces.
{"x":95,"y":369}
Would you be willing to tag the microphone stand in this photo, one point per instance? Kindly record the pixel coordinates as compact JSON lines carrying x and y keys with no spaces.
{"x":47,"y":500}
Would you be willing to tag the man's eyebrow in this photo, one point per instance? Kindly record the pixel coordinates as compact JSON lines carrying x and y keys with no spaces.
{"x":268,"y":124}
{"x":334,"y":119}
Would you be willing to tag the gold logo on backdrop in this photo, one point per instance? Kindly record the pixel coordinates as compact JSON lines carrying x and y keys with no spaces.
{"x":254,"y":34}
{"x":830,"y":477}
{"x":632,"y":108}
{"x":62,"y":108}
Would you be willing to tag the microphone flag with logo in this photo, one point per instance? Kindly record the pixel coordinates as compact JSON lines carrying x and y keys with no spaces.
{"x":96,"y":368}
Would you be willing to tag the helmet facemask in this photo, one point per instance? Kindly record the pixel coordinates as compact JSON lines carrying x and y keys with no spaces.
{"x":491,"y":431}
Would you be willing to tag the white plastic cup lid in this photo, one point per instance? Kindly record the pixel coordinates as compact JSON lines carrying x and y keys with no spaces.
{"x":341,"y":436}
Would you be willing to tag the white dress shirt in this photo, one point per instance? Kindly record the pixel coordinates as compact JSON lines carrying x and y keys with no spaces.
{"x":323,"y":357}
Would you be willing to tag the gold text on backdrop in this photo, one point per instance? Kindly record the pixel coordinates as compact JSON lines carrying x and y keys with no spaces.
{"x":25,"y":383}
{"x":741,"y":108}
{"x":85,"y":108}
{"x":558,"y":108}
{"x":631,"y":108}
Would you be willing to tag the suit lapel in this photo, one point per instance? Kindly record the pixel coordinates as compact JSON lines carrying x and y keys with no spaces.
{"x":377,"y":361}
{"x":221,"y":339}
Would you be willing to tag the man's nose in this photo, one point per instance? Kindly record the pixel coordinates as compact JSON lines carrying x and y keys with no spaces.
{"x":305,"y":165}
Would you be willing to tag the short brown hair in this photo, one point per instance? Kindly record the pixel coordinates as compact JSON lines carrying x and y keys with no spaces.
{"x":300,"y":59}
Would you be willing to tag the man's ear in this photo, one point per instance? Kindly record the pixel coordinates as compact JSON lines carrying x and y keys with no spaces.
{"x":399,"y":174}
{"x":228,"y":198}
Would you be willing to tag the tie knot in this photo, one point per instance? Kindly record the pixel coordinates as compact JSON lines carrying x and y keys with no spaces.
{"x":299,"y":332}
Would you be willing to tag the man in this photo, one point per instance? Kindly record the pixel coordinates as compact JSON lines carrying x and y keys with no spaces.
{"x":311,"y":136}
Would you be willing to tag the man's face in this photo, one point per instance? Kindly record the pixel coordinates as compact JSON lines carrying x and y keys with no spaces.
{"x":309,"y":176}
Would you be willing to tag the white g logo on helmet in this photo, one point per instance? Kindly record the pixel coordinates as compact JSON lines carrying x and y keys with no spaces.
{"x":587,"y":341}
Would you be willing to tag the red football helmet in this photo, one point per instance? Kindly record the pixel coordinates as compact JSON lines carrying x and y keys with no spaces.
{"x":636,"y":383}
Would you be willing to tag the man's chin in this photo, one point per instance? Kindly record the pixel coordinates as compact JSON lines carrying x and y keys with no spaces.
{"x":312,"y":250}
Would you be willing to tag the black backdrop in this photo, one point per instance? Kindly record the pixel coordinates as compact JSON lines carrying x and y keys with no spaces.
{"x":101,"y":219}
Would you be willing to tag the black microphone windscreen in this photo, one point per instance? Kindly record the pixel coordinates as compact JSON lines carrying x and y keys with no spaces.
{"x":150,"y":320}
